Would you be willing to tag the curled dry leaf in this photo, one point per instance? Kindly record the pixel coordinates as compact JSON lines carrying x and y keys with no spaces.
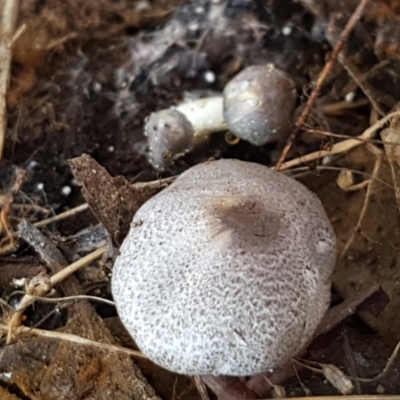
{"x":337,"y":378}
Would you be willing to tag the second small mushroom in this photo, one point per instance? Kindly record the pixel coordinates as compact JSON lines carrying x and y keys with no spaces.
{"x":257,"y":106}
{"x":226,"y":271}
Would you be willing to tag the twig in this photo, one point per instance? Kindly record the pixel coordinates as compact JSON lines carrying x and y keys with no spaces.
{"x":393,"y":156}
{"x":7,"y":28}
{"x":64,"y":299}
{"x":69,"y":337}
{"x":63,"y":215}
{"x":356,"y":378}
{"x":375,"y":172}
{"x":385,"y":370}
{"x":324,"y":73}
{"x":201,"y":387}
{"x":40,"y":290}
{"x":77,"y":265}
{"x":343,"y":146}
{"x":351,"y":361}
{"x":342,"y":136}
{"x":307,"y":170}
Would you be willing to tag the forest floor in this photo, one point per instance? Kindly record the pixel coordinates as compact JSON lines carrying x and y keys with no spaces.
{"x":84,"y":76}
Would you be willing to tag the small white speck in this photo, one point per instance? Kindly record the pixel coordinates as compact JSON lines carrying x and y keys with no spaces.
{"x":142,"y":5}
{"x":66,"y":190}
{"x":97,"y":86}
{"x":199,"y":10}
{"x":32,"y":165}
{"x":326,"y":160}
{"x":350,"y":97}
{"x":110,"y":149}
{"x":209,"y":76}
{"x":19,"y":283}
{"x":6,"y":375}
{"x":287,"y":30}
{"x":193,"y":27}
{"x":39,"y":187}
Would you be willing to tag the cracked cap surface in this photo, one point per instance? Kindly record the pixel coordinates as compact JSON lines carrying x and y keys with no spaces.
{"x":226,"y":271}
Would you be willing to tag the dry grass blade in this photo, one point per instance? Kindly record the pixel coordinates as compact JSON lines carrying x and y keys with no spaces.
{"x":201,"y":387}
{"x":66,"y":214}
{"x":68,"y":271}
{"x":343,"y":146}
{"x":8,"y":13}
{"x":69,"y":337}
{"x":392,"y":151}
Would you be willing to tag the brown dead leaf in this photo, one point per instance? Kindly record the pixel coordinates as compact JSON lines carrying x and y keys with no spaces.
{"x":112,"y":199}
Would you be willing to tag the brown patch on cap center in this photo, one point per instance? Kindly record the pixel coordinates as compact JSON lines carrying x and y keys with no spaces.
{"x":248,"y":221}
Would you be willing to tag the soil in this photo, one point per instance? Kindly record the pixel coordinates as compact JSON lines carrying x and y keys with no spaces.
{"x":86,"y":74}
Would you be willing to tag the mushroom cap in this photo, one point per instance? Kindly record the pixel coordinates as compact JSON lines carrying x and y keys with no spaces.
{"x":170,"y":135}
{"x":259,"y":103}
{"x":226,"y":271}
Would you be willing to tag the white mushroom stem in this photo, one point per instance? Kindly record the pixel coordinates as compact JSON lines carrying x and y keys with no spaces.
{"x":175,"y":131}
{"x":206,"y":116}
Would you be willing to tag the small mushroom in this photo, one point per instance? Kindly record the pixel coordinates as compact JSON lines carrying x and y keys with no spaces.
{"x":173,"y":132}
{"x":226,"y":271}
{"x":257,"y":106}
{"x":170,"y":136}
{"x":259,"y":103}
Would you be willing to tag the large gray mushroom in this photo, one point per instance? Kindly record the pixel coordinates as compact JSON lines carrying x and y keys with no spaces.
{"x":226,"y":271}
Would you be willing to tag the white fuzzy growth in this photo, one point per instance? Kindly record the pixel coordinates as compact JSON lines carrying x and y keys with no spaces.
{"x":226,"y":270}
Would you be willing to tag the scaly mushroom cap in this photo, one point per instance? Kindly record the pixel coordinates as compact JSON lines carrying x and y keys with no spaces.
{"x":259,"y":103}
{"x":226,"y":271}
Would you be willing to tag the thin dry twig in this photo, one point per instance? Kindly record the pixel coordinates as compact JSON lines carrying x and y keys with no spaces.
{"x":385,"y":370}
{"x":66,"y":298}
{"x":393,"y":156}
{"x":378,"y":153}
{"x":342,"y":136}
{"x":305,"y":363}
{"x":77,"y":265}
{"x":63,"y":215}
{"x":321,"y":79}
{"x":40,"y":290}
{"x":69,"y":337}
{"x":201,"y":387}
{"x":9,"y":12}
{"x":343,"y":146}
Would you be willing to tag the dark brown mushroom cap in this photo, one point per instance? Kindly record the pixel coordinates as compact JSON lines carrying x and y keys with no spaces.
{"x":226,"y":271}
{"x":259,"y":103}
